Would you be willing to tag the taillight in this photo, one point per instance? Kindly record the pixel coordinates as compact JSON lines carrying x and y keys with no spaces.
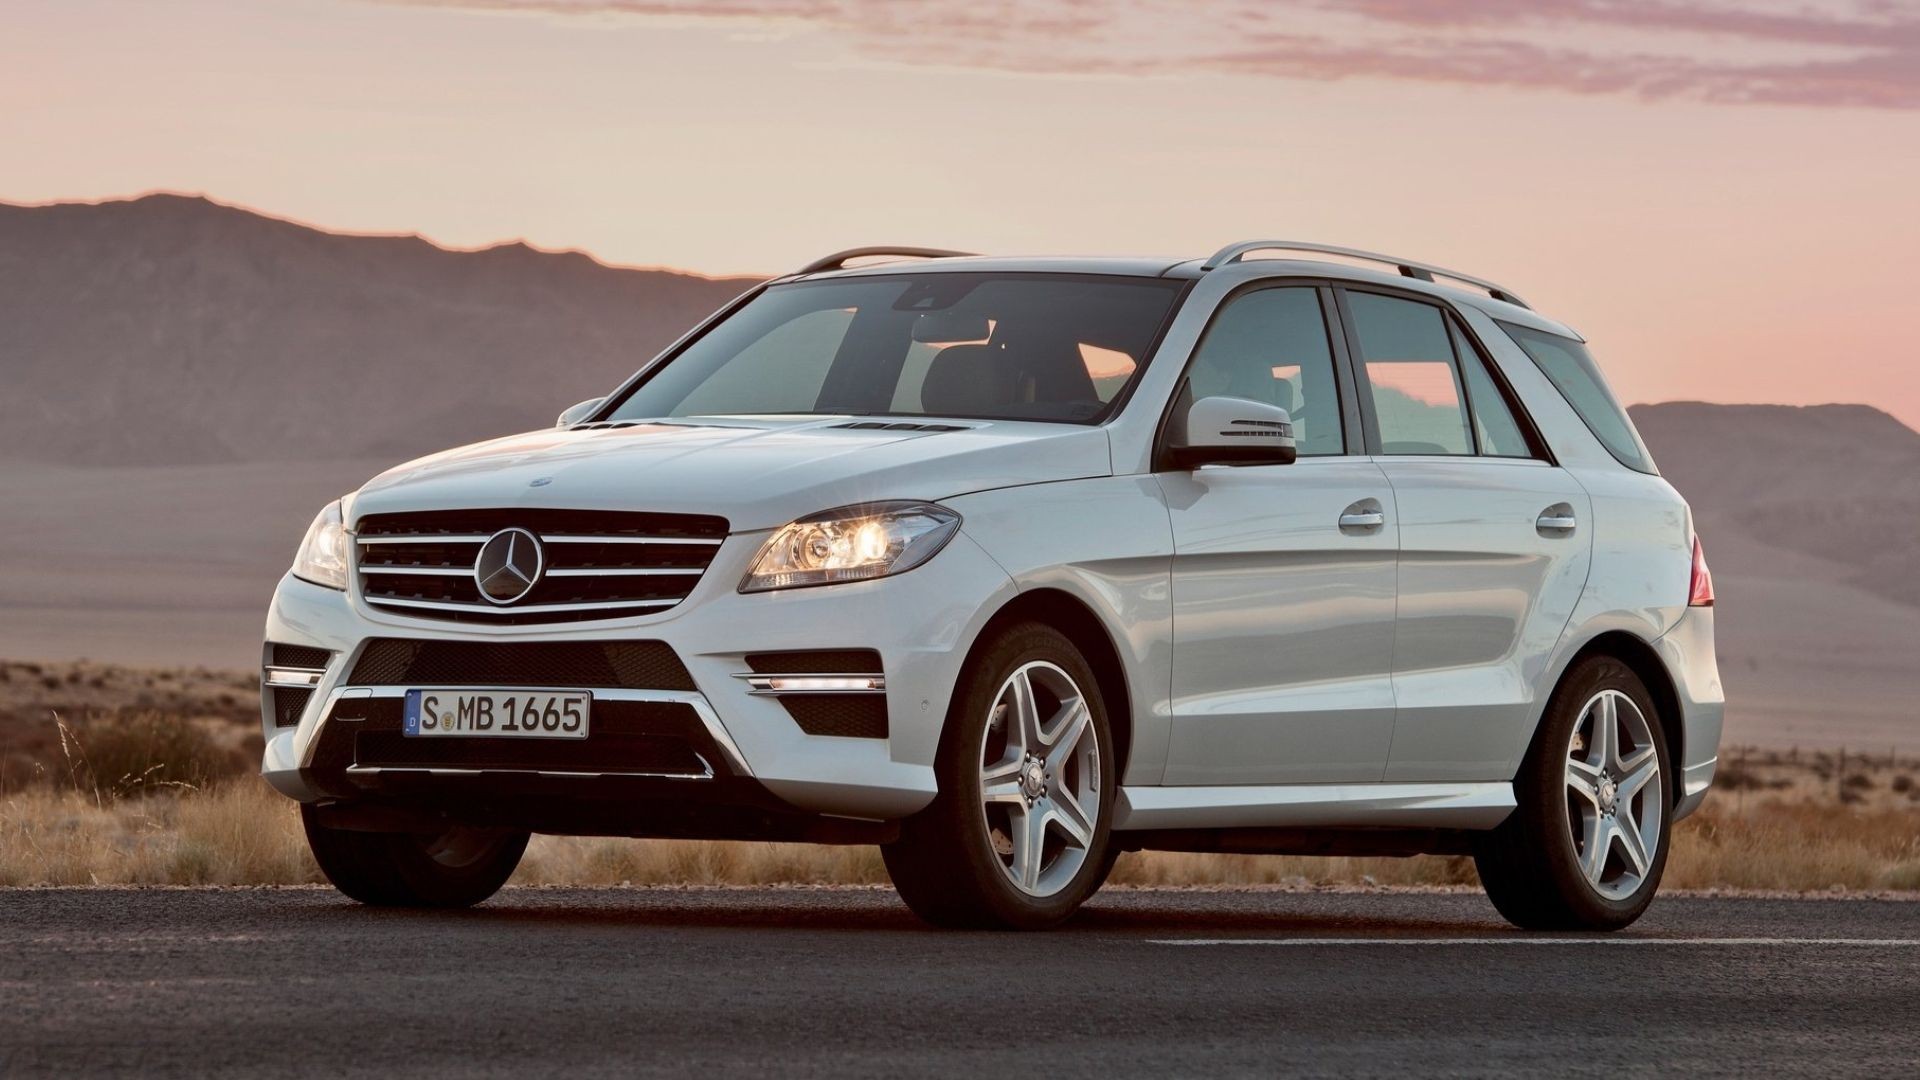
{"x":1700,"y":589}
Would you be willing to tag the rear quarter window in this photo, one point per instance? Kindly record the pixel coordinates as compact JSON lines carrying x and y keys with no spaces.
{"x":1569,"y":366}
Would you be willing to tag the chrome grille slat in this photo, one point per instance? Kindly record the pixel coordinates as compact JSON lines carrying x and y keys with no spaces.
{"x":423,"y":538}
{"x":630,"y":571}
{"x":524,"y":609}
{"x":672,"y":540}
{"x":597,"y":564}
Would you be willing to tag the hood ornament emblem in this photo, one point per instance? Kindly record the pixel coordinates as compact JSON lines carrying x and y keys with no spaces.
{"x":508,"y":566}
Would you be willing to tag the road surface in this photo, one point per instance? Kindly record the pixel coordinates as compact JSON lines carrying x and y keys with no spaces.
{"x":815,"y":982}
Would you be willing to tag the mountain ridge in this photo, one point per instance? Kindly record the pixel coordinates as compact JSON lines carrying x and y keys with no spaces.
{"x":173,"y":329}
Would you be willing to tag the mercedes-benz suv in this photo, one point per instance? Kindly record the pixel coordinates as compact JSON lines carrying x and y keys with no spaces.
{"x":1011,"y":565}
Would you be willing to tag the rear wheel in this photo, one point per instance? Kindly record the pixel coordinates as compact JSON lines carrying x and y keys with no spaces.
{"x":1018,"y":836}
{"x":1587,"y":842}
{"x":455,"y":868}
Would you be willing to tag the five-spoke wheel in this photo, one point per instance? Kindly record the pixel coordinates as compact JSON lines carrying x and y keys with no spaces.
{"x":1040,"y":777}
{"x":1018,"y":835}
{"x":1587,"y":840}
{"x":1615,"y":798}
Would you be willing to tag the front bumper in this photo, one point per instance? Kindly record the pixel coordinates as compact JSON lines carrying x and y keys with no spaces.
{"x":920,"y":623}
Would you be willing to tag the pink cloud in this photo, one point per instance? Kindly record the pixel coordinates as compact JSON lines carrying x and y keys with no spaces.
{"x":1863,"y":54}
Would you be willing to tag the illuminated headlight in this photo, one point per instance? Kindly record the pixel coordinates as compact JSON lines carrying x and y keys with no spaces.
{"x":323,"y":553}
{"x":851,"y":544}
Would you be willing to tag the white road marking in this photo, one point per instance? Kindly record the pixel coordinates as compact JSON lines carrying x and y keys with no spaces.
{"x":1310,"y":942}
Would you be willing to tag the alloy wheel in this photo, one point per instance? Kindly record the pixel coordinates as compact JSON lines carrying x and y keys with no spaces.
{"x":1615,"y":794}
{"x":1040,"y":778}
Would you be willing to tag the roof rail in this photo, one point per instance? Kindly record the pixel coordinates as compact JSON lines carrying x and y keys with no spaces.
{"x":839,"y":259}
{"x":1233,"y":253}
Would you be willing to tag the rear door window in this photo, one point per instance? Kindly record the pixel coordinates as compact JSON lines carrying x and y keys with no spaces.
{"x":1411,"y":382}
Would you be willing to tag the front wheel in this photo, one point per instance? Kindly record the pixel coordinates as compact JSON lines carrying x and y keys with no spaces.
{"x":455,"y":868}
{"x":1587,"y":842}
{"x":1018,"y":836}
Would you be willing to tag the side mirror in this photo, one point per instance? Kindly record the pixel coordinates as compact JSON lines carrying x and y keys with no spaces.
{"x":1232,"y":431}
{"x":578,"y":412}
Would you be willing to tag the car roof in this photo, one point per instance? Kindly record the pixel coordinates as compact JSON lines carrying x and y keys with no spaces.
{"x":1120,"y":266}
{"x":1503,"y":307}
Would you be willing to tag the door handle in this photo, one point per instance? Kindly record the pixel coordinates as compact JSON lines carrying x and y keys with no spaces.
{"x":1556,"y":519}
{"x":1360,"y":517}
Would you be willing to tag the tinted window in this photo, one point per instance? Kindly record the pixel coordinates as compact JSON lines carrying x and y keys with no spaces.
{"x":1493,"y":423}
{"x":1272,"y":346}
{"x":1415,"y":391}
{"x":1567,"y":364}
{"x":1049,"y":347}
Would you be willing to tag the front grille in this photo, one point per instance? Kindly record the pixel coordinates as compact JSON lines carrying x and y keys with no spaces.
{"x":646,"y":737}
{"x":597,"y":564}
{"x":628,"y":665}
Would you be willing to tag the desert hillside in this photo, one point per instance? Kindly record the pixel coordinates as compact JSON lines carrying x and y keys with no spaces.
{"x":168,"y":330}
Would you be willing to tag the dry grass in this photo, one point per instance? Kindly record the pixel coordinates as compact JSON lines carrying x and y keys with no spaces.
{"x":235,"y":834}
{"x":133,"y":796}
{"x":242,"y":833}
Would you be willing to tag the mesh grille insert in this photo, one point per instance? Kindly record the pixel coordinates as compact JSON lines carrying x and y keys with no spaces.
{"x":627,"y":737}
{"x":816,"y":662}
{"x":850,"y":716}
{"x":299,"y":656}
{"x":629,"y":665}
{"x":288,"y":705}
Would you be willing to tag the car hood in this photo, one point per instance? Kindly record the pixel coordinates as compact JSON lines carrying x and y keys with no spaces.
{"x":758,"y":472}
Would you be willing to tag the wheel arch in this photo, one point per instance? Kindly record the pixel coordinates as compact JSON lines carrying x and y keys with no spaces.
{"x":1641,"y":658}
{"x":1073,"y":617}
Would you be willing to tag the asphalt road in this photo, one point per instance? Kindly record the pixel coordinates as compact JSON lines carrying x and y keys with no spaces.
{"x":646,"y":982}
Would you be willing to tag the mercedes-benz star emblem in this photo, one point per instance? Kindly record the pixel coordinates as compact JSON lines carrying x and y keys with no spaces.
{"x":508,"y":565}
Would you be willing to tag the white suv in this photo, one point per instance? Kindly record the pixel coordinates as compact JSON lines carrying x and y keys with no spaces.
{"x":1010,"y":565}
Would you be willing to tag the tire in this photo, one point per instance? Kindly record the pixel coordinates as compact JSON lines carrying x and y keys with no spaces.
{"x":962,"y":862}
{"x":454,"y":869}
{"x":1587,"y":842}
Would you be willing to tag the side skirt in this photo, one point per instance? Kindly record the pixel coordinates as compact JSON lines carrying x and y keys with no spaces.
{"x":1314,"y":806}
{"x":1381,"y":842}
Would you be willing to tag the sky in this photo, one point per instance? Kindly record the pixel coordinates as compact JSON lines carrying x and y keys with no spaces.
{"x":1724,"y":198}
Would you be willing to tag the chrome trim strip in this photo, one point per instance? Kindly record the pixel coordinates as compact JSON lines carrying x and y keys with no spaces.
{"x":419,"y":770}
{"x":293,"y":678}
{"x":521,"y":609}
{"x":691,"y":698}
{"x":570,"y":538}
{"x":423,"y":538}
{"x":761,"y":683}
{"x":418,"y":571}
{"x":637,"y":571}
{"x":1424,"y":805}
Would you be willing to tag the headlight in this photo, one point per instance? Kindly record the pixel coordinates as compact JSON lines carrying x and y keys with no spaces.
{"x":323,"y":554}
{"x":852,"y":543}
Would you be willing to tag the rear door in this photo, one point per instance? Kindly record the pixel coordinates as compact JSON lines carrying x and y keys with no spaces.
{"x":1495,"y":540}
{"x":1283,"y":575}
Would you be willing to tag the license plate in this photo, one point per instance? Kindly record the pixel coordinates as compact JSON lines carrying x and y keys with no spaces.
{"x":509,"y":714}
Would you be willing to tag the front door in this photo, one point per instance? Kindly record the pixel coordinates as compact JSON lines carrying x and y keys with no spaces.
{"x":1283,"y":575}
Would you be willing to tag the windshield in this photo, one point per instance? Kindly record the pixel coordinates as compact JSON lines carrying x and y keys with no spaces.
{"x":1054,"y":347}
